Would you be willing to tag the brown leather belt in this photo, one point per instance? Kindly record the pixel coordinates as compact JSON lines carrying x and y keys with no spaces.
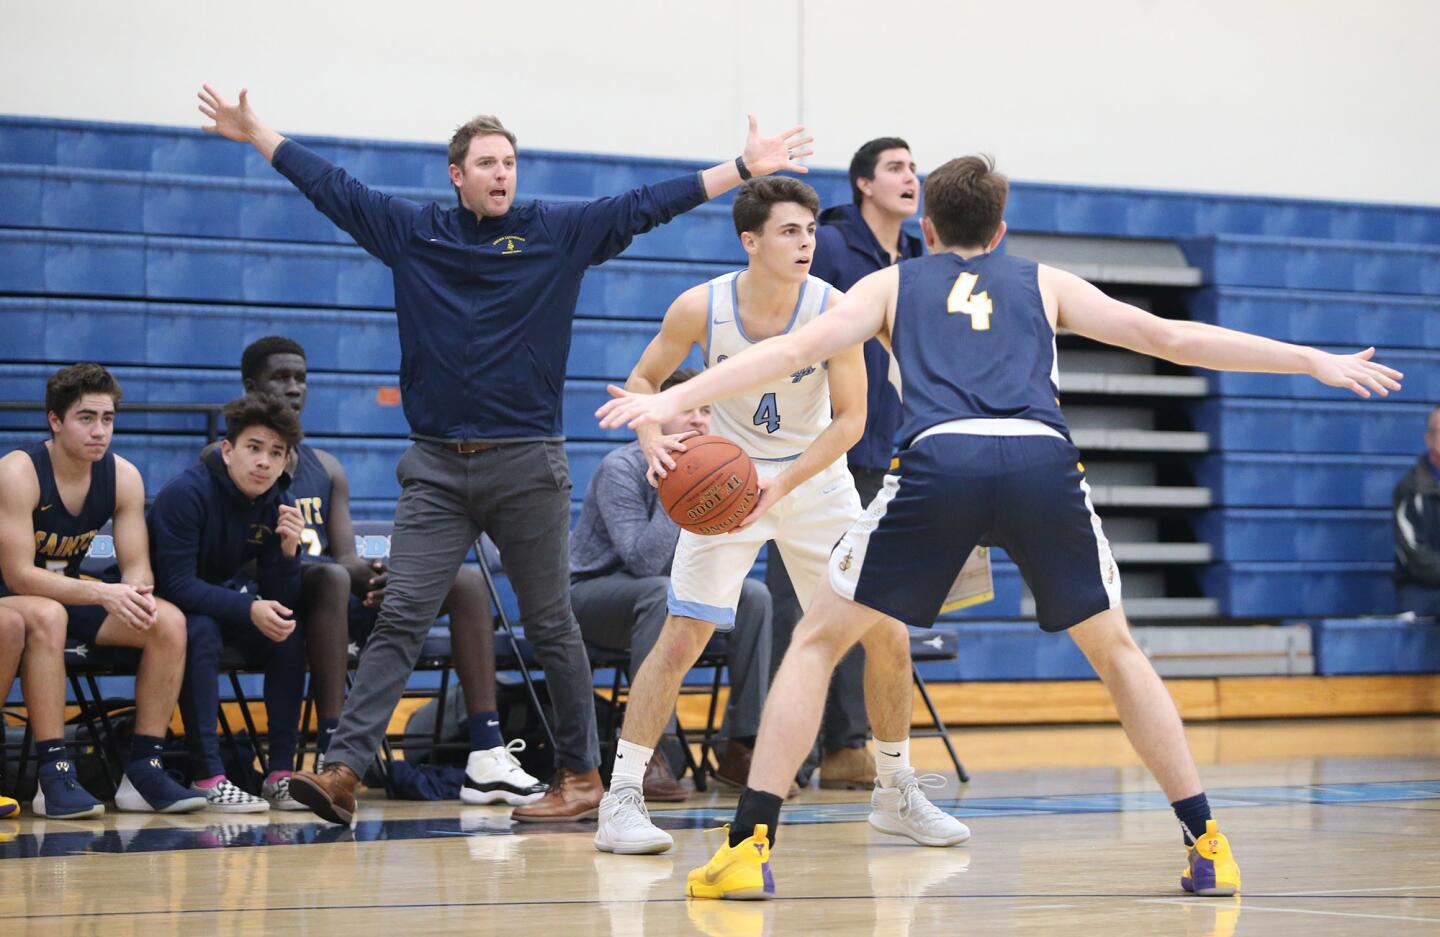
{"x":465,"y":448}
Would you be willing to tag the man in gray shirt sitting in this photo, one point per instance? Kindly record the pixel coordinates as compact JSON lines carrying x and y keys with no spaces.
{"x":620,"y":558}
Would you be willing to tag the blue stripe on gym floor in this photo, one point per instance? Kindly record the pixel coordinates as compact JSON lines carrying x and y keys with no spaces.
{"x":140,"y":833}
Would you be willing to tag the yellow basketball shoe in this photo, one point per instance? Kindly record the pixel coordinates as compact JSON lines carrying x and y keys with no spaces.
{"x":1212,"y":871}
{"x":739,"y":873}
{"x":8,"y":807}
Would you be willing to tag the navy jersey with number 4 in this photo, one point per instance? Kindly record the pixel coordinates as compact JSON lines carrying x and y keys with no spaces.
{"x":972,"y":341}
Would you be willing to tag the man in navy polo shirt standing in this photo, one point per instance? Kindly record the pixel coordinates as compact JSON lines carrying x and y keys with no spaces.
{"x":852,"y":242}
{"x":485,"y":295}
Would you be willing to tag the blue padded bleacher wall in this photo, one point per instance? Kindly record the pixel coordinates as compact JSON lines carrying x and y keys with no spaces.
{"x":164,"y":251}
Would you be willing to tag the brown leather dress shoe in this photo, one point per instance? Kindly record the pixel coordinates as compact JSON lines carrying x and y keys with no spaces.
{"x":572,"y":796}
{"x":849,"y":769}
{"x":330,"y":794}
{"x":732,"y":767}
{"x":660,"y":784}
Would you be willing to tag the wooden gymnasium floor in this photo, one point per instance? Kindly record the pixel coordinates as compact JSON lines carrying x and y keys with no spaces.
{"x":1336,"y":824}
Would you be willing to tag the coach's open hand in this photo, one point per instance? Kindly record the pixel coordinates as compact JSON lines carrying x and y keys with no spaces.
{"x":764,"y":155}
{"x":237,"y":121}
{"x":232,"y":121}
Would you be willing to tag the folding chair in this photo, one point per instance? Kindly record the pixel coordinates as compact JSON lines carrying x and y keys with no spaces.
{"x":934,"y":644}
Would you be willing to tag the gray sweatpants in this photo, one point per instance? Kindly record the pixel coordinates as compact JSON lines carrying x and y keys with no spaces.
{"x":518,"y":493}
{"x":621,"y":612}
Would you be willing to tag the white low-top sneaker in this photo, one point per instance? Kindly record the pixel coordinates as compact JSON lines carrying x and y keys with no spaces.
{"x":625,"y":826}
{"x":494,"y":776}
{"x":904,"y":810}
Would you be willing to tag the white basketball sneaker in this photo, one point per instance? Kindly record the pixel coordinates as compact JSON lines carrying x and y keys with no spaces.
{"x":494,"y":776}
{"x":904,"y":810}
{"x":625,"y":826}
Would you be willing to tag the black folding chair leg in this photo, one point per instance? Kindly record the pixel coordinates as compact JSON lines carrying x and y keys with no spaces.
{"x":249,"y":723}
{"x":110,"y":740}
{"x":87,"y":714}
{"x":697,"y":768}
{"x":304,"y":741}
{"x":940,"y":728}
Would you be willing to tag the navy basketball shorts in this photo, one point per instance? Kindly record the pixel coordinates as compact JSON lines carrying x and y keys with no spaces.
{"x":952,"y":491}
{"x":84,"y":622}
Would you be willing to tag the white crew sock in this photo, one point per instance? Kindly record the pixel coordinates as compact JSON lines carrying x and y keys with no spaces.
{"x":892,"y":760}
{"x":630,"y":762}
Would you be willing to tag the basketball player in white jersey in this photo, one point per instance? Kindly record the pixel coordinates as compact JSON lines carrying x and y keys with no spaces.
{"x":797,"y":429}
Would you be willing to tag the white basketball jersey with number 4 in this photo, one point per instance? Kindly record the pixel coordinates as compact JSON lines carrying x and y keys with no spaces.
{"x":777,"y":421}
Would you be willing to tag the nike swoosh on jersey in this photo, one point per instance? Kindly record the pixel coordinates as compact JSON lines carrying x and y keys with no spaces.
{"x":45,"y":507}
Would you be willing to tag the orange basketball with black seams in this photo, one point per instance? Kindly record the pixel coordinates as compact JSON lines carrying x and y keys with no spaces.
{"x":712,"y":487}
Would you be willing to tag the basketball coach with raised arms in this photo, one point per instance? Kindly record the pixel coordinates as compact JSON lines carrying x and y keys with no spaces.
{"x":484,"y":336}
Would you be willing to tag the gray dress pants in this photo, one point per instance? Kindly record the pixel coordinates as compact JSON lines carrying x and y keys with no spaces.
{"x":519,"y":494}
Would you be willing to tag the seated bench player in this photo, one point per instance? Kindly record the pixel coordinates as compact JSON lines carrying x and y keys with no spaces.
{"x":55,"y":495}
{"x":208,"y":525}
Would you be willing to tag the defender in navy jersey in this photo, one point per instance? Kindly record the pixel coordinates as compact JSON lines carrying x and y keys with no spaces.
{"x":339,"y":588}
{"x":986,"y":455}
{"x":55,"y":496}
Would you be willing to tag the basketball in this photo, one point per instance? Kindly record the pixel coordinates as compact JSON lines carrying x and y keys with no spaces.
{"x":712,"y":487}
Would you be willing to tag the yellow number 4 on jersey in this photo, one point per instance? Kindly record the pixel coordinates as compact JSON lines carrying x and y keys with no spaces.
{"x":963,"y":298}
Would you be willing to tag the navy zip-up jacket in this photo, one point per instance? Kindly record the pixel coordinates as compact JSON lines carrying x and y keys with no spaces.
{"x":203,"y":530}
{"x":485,"y":306}
{"x":846,"y":252}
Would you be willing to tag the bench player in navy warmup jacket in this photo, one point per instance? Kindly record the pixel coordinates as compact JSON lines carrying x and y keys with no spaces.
{"x":55,"y":496}
{"x":485,"y":293}
{"x":226,"y":541}
{"x":984,"y":455}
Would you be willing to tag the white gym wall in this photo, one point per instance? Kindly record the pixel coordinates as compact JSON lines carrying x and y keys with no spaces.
{"x":1325,"y":98}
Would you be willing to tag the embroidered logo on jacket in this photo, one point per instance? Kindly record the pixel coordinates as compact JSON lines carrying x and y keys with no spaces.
{"x":510,"y":241}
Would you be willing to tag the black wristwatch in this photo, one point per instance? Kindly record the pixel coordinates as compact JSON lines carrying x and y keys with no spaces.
{"x":745,"y":173}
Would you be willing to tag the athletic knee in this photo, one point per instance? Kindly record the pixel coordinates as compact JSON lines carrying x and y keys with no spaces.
{"x":467,"y":599}
{"x":889,"y":639}
{"x":46,"y":627}
{"x":680,"y":644}
{"x":325,"y":582}
{"x":46,"y":616}
{"x":169,"y":629}
{"x":1106,"y":641}
{"x":820,"y":642}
